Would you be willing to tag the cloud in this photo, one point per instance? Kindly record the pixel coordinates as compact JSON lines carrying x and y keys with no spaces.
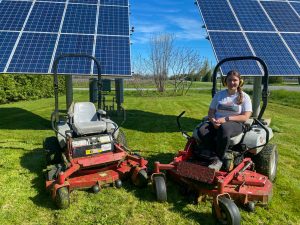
{"x":144,"y":31}
{"x":186,"y":28}
{"x":149,"y":28}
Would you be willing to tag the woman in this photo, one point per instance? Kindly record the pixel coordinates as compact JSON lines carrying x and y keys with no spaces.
{"x":228,"y":110}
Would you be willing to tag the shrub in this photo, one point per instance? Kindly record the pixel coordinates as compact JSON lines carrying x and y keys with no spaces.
{"x":17,"y":87}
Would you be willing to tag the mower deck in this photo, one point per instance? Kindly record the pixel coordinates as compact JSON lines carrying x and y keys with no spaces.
{"x":100,"y":170}
{"x":242,"y":184}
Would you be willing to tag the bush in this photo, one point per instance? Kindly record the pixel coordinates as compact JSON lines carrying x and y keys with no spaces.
{"x":275,"y":80}
{"x":16,"y":87}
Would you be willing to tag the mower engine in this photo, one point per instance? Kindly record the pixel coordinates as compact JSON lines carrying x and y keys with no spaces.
{"x":91,"y":145}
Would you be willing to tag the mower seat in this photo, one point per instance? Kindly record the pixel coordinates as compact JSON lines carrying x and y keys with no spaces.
{"x":233,"y":140}
{"x":236,"y":139}
{"x":85,"y":119}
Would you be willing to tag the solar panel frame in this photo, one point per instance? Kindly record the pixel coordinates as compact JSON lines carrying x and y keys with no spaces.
{"x":64,"y":27}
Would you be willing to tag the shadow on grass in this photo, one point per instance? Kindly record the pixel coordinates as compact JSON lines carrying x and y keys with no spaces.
{"x":34,"y":161}
{"x":150,"y":122}
{"x":17,"y":118}
{"x":177,"y":201}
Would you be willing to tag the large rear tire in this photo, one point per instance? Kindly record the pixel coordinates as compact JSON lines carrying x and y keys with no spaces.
{"x":52,"y":151}
{"x":230,"y":213}
{"x":266,"y":161}
{"x":121,"y":139}
{"x":159,"y":185}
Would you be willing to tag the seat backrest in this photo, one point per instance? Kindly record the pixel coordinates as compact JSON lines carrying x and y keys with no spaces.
{"x":84,"y":112}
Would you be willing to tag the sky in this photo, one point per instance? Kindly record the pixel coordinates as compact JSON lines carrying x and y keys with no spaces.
{"x":180,"y":18}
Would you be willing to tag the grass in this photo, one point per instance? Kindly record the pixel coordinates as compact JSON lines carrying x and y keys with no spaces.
{"x":84,"y":83}
{"x":151,"y":130}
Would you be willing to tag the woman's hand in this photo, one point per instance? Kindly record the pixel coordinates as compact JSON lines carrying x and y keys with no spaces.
{"x":215,"y":123}
{"x":221,"y":120}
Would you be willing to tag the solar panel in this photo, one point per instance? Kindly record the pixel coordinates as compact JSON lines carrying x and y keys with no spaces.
{"x":267,"y":29}
{"x":283,"y":16}
{"x":33,"y":33}
{"x":270,"y":47}
{"x":80,"y":19}
{"x":112,"y":50}
{"x":33,"y":53}
{"x":293,"y":41}
{"x":226,"y":44}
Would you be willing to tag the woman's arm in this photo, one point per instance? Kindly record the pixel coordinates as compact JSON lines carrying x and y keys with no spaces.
{"x":243,"y":117}
{"x":211,"y":114}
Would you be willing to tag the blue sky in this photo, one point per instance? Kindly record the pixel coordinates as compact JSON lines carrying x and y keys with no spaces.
{"x":178,"y":17}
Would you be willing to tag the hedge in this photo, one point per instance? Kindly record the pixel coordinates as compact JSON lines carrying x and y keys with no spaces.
{"x":17,"y":87}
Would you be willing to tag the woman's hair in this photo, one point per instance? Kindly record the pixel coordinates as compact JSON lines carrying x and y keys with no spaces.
{"x":239,"y":89}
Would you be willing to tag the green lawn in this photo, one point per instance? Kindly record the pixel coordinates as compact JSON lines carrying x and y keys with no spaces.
{"x":151,"y":130}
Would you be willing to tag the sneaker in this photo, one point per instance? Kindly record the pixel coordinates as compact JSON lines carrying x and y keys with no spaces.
{"x":216,"y":165}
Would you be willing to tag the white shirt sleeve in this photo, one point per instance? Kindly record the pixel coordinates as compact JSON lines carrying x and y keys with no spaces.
{"x":246,"y":105}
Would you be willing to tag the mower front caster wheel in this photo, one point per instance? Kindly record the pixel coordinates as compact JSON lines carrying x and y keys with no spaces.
{"x":140,"y":179}
{"x":118,"y":183}
{"x":250,"y":206}
{"x":62,"y":198}
{"x":230,"y":213}
{"x":96,"y":188}
{"x":159,"y":185}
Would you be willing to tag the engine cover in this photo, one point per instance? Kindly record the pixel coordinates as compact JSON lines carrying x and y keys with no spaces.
{"x":91,"y":145}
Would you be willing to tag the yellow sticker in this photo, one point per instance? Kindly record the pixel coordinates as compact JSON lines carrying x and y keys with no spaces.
{"x":93,"y":151}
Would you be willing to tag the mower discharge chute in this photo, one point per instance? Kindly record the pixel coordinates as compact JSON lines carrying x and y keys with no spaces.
{"x":248,"y":170}
{"x":89,"y":150}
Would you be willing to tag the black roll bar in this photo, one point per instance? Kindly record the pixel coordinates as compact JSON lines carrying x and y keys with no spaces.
{"x":54,"y":69}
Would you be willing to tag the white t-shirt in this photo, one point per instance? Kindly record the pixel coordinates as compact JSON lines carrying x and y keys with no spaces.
{"x":226,"y":105}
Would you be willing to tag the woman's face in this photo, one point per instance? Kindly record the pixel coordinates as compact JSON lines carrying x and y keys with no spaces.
{"x":232,"y":82}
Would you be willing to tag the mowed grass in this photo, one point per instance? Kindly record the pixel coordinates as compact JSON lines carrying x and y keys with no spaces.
{"x":151,"y":130}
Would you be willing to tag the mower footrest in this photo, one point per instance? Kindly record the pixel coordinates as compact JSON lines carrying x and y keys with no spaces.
{"x":195,"y":172}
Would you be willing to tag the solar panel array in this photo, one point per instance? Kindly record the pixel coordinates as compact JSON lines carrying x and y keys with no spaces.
{"x":34,"y":32}
{"x":267,"y":29}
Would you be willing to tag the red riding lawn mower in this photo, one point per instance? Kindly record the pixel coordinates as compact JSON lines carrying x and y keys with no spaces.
{"x":89,"y":150}
{"x":247,"y":173}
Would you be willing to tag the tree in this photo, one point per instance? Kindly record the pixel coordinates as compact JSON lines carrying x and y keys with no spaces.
{"x":140,"y":74}
{"x":206,"y":71}
{"x":161,"y":48}
{"x":184,"y":64}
